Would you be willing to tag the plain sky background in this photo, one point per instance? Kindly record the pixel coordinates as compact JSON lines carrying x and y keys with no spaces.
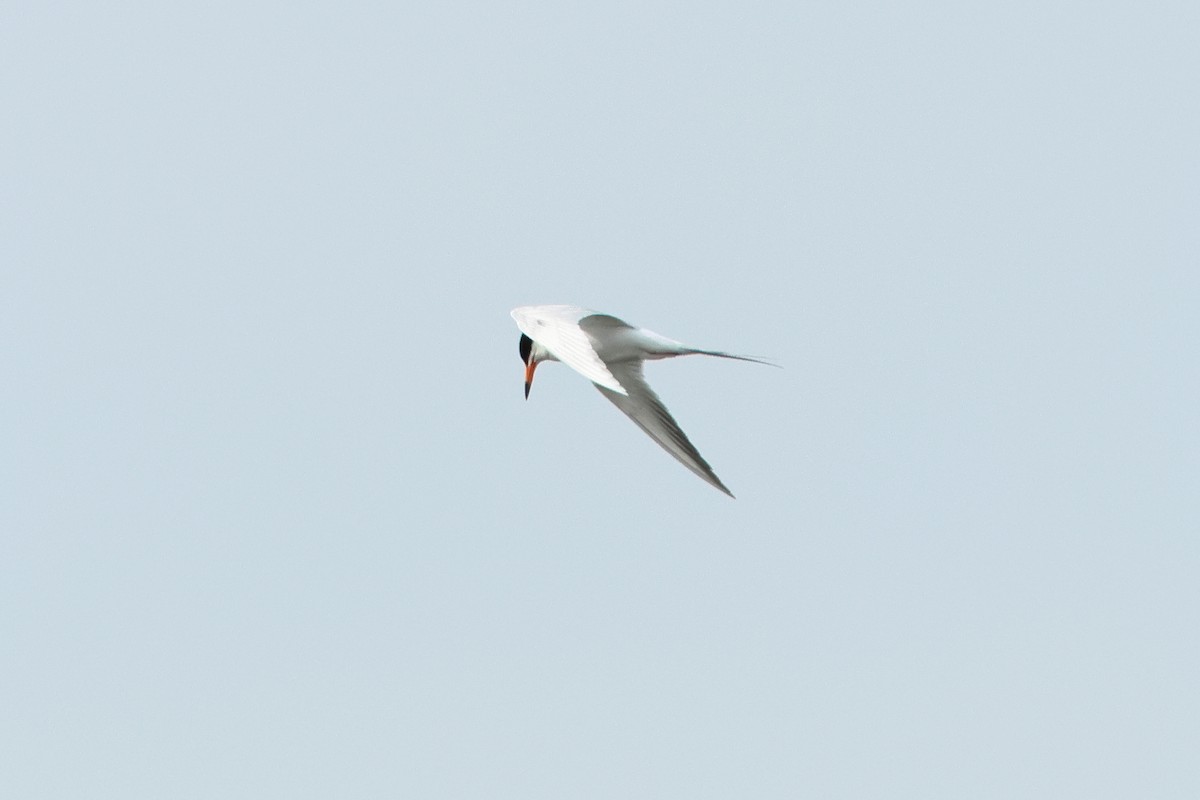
{"x":277,"y":523}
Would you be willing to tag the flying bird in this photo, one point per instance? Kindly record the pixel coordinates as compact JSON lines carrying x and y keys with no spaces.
{"x":609,"y":352}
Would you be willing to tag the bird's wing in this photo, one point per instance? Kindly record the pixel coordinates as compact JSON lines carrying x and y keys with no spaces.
{"x":556,"y":328}
{"x":642,"y":406}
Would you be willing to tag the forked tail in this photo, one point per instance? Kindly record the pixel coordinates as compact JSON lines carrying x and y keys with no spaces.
{"x":693,"y":351}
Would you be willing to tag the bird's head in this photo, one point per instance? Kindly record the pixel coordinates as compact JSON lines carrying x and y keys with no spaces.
{"x":529,"y":356}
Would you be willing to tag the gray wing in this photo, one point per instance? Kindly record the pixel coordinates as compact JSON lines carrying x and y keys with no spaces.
{"x":643,"y":407}
{"x":557,"y":329}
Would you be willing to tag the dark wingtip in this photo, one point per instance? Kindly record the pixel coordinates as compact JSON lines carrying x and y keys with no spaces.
{"x":716,"y":482}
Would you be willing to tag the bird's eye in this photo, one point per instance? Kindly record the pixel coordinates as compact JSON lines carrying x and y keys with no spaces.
{"x":526,"y":347}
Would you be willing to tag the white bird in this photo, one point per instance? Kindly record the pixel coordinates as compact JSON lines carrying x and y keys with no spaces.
{"x":609,"y":352}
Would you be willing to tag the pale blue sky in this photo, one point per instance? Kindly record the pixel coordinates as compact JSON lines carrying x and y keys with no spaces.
{"x":276,"y":521}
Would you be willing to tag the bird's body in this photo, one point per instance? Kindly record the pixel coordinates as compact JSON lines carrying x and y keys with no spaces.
{"x":609,"y":352}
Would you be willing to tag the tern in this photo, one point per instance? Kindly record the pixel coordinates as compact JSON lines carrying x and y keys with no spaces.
{"x":610,"y":352}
